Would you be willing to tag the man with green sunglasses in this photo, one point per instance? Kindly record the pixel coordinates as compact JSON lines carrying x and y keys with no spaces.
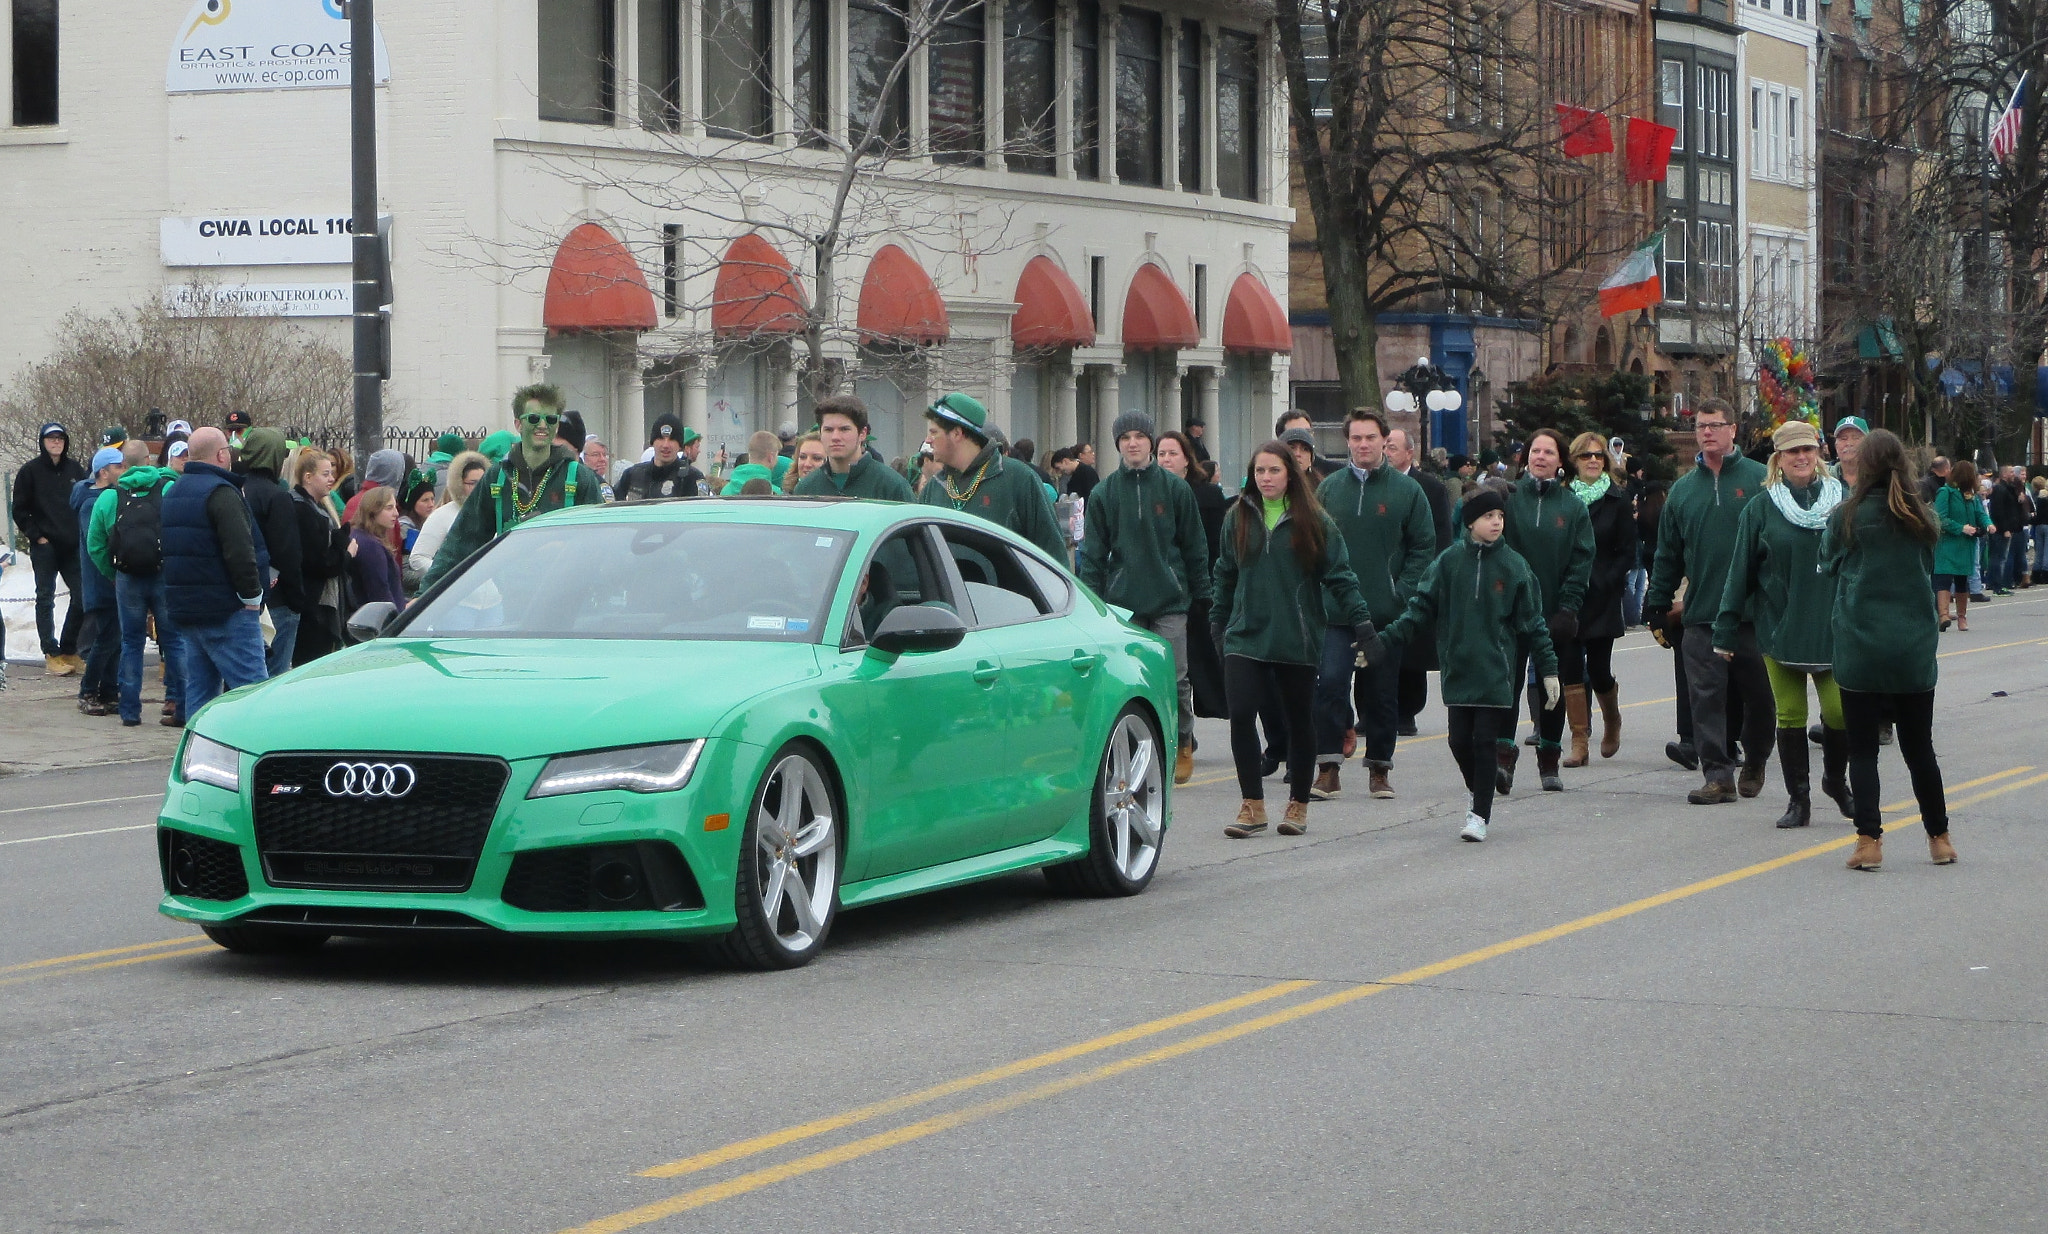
{"x":537,"y":477}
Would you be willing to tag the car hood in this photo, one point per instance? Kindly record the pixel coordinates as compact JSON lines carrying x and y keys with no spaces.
{"x":514,"y":698}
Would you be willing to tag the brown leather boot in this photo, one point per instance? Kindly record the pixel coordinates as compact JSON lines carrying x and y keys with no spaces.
{"x":1581,"y":719}
{"x":1382,"y":786}
{"x":1869,"y":854}
{"x":1939,"y":848}
{"x":1610,"y":722}
{"x":1295,"y":821}
{"x":1328,"y":783}
{"x":1251,"y":820}
{"x":1184,"y":765}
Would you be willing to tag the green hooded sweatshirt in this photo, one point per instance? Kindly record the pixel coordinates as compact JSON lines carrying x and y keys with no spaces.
{"x":1548,"y":527}
{"x":1885,"y":626}
{"x":1485,"y":603}
{"x":1004,"y":494}
{"x":1389,"y":533}
{"x":1696,"y":536}
{"x":866,"y":478}
{"x":490,"y":510}
{"x":1774,"y":576}
{"x":743,"y":473}
{"x":101,"y":525}
{"x":1145,"y":547}
{"x":1954,"y":510}
{"x":1269,"y":608}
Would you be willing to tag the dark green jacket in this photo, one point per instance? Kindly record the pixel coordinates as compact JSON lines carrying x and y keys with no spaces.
{"x":1485,"y":605}
{"x":1389,"y":533}
{"x":1268,"y":607}
{"x":1696,"y":536}
{"x":1885,"y":626}
{"x":1773,"y":576}
{"x":490,"y":511}
{"x":1548,"y":527}
{"x":866,"y":478}
{"x":1144,"y":547}
{"x":1955,"y":510}
{"x":1005,"y":493}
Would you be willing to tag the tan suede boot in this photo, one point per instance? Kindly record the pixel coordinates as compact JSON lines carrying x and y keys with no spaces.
{"x":1251,"y":820}
{"x":1295,"y":821}
{"x":1938,"y":847}
{"x":1575,"y":711}
{"x":1610,"y":722}
{"x":1869,"y":854}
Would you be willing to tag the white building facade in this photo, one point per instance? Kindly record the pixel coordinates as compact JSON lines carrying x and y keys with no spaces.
{"x":1781,"y":198}
{"x":1087,"y":212}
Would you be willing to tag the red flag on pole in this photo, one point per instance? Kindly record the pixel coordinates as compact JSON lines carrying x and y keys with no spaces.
{"x":1585,"y":132}
{"x":1649,"y":149}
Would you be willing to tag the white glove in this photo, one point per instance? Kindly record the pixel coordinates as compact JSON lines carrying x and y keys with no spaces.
{"x":1551,"y":693}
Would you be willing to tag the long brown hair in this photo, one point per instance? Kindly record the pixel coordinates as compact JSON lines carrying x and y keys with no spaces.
{"x":1962,"y":477}
{"x":1248,"y":517}
{"x":1881,"y":460}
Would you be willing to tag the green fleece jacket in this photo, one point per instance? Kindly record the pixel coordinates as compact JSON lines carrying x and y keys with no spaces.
{"x":1885,"y":627}
{"x":490,"y":510}
{"x":1389,"y":533}
{"x":1548,"y":527}
{"x":1269,"y":607}
{"x":1955,"y":510}
{"x":866,"y":478}
{"x":133,"y":480}
{"x":1696,"y":536}
{"x":743,"y":473}
{"x":1144,"y":547}
{"x":1485,"y":604}
{"x":1004,"y":492}
{"x":1774,"y":577}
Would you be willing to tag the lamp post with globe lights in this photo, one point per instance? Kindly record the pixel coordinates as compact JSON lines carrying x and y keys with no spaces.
{"x":1424,"y":385}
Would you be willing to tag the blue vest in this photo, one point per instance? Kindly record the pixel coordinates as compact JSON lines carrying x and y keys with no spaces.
{"x":197,"y":590}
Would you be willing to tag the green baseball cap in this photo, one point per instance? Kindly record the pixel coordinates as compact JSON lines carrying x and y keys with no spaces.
{"x":961,"y":411}
{"x":1849,"y":422}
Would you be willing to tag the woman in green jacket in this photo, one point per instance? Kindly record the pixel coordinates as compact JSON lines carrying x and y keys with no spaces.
{"x":1960,"y":511}
{"x":1880,"y":548}
{"x":1281,"y":556}
{"x":1773,"y":575}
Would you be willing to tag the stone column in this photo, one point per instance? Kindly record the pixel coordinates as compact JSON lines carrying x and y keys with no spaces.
{"x":1061,"y":431}
{"x":696,"y":394}
{"x":1167,"y":417}
{"x":629,"y":422}
{"x":785,"y":395}
{"x":1108,"y":399}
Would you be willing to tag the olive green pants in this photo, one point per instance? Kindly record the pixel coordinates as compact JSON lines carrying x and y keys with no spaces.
{"x":1788,"y":690}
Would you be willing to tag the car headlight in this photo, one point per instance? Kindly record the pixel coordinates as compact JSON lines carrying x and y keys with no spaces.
{"x":636,"y":769}
{"x":210,"y":762}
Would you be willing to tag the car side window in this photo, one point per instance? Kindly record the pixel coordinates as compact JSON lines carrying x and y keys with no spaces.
{"x":900,"y":571}
{"x":1053,"y":586}
{"x":998,"y":586}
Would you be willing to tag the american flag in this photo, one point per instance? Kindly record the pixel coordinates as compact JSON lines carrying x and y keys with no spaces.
{"x":2005,"y":134}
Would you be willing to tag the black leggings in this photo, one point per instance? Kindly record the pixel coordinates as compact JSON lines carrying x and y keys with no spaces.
{"x":1247,"y":683}
{"x":1864,"y":713}
{"x":1549,"y":721}
{"x":1588,"y":662}
{"x":1475,"y":734}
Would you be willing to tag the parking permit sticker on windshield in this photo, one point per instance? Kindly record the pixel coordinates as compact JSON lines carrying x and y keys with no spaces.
{"x":765,"y":623}
{"x":798,"y":625}
{"x":826,"y":542}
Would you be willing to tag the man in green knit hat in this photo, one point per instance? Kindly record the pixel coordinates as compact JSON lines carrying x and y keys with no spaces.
{"x":446,"y":447}
{"x":974,"y":477}
{"x":539,"y":476}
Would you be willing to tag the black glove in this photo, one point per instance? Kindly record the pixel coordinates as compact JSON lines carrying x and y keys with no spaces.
{"x":1216,"y":636}
{"x":1365,"y":644}
{"x":1564,"y":626}
{"x":1658,"y":619}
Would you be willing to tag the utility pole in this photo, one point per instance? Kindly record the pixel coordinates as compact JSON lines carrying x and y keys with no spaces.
{"x":368,"y":309}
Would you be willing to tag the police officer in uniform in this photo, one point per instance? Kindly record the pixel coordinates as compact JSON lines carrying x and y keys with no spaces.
{"x":667,"y":474}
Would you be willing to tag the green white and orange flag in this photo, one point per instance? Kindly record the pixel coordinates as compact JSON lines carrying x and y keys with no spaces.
{"x":1635,"y":283}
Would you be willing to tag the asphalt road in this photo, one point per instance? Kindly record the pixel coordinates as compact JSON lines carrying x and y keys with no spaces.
{"x":1620,"y":1013}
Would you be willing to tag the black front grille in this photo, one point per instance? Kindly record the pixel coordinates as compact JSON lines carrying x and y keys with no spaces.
{"x":200,"y":868}
{"x":366,"y":922}
{"x":427,"y":838}
{"x":648,"y":875}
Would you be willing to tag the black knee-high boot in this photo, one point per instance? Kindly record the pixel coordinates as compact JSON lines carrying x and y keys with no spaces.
{"x":1794,"y":761}
{"x":1834,"y":769}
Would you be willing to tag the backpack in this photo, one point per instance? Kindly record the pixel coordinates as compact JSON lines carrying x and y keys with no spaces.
{"x":136,"y":539}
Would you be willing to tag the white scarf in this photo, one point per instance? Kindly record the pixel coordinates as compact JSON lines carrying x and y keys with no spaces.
{"x":1815,"y":516}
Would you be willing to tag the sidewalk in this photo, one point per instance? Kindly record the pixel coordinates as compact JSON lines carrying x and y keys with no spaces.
{"x":42,"y":729}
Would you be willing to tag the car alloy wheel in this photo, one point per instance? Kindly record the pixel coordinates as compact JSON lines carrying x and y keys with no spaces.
{"x":787,"y":886}
{"x":1127,"y":815}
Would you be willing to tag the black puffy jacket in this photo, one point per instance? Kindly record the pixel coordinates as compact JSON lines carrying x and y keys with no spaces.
{"x":42,"y":498}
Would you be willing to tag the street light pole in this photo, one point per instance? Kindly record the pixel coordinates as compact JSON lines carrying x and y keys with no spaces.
{"x":368,"y":318}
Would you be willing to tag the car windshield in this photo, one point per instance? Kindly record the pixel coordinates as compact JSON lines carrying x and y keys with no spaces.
{"x":681,"y":580}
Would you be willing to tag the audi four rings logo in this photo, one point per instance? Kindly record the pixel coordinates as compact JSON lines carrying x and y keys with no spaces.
{"x":370,"y":780}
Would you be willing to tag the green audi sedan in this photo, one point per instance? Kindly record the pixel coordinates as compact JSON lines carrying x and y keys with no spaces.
{"x":716,"y":718}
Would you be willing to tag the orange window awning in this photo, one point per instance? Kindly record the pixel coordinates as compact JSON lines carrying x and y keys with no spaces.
{"x":899,"y":303}
{"x":1253,"y":319}
{"x":1156,"y":315}
{"x":1051,"y":311}
{"x":596,"y":285}
{"x":756,"y":292}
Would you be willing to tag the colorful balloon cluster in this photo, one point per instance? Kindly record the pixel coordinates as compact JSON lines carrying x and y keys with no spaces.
{"x":1785,"y":386}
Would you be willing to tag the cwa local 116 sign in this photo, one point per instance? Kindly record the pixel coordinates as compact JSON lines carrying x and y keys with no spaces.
{"x":225,"y":45}
{"x":256,"y":240}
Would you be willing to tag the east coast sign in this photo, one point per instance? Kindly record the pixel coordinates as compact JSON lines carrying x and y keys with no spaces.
{"x":226,"y":45}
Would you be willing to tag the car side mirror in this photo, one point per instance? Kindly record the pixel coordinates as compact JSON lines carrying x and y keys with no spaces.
{"x":918,"y":627}
{"x":369,"y":621}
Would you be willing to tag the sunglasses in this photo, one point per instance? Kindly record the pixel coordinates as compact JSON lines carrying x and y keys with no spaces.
{"x":536,"y":418}
{"x":1589,"y":454}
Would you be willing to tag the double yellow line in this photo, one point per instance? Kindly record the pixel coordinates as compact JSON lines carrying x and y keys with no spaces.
{"x":767,"y":1176}
{"x":92,"y":961}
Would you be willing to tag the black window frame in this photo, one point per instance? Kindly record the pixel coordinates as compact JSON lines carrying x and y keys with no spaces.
{"x":960,"y":39}
{"x":1031,"y":85}
{"x":1249,"y":115}
{"x":1140,"y":98}
{"x":661,"y":73}
{"x":723,"y":118}
{"x":1188,"y":107}
{"x":37,"y":90}
{"x":891,"y":128}
{"x":1086,"y":57}
{"x":605,"y":111}
{"x":810,"y":77}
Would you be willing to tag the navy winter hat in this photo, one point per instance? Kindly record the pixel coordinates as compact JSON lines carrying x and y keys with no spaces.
{"x":54,"y":429}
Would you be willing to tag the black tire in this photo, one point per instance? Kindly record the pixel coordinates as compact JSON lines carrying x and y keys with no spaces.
{"x":264,"y":939}
{"x":756,"y":942}
{"x":1096,"y":873}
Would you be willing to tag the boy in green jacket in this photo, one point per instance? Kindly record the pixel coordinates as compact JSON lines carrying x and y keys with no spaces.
{"x":978,"y":478}
{"x":848,"y":471}
{"x":1486,"y":606}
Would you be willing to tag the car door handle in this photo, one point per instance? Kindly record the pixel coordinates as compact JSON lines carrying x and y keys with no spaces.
{"x":1083,"y":661}
{"x":986,"y":673}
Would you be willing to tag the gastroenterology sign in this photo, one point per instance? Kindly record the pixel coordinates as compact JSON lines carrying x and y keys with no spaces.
{"x":225,"y":45}
{"x":302,"y":239}
{"x":260,"y":300}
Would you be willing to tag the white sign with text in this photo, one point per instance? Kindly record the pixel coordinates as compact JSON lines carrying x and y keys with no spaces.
{"x":260,"y":300}
{"x":226,"y":45}
{"x":257,"y":240}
